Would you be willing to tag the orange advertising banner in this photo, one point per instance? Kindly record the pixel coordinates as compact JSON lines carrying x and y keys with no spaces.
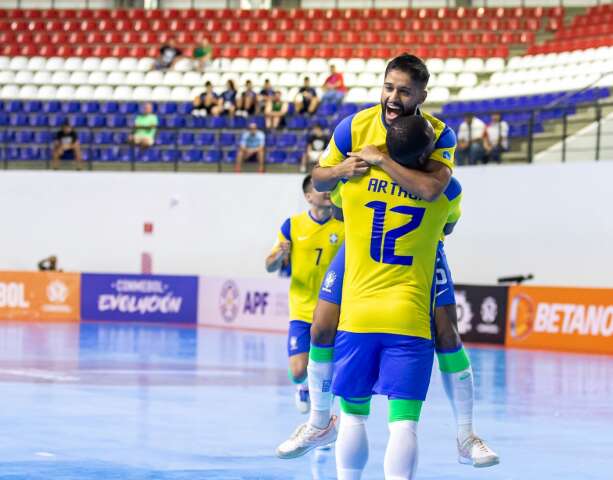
{"x":40,"y":296}
{"x":556,"y":318}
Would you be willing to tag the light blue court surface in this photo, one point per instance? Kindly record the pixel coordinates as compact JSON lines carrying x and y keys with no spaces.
{"x":112,"y":401}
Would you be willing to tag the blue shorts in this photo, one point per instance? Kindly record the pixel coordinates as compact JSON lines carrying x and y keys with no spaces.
{"x":398,"y":366}
{"x":444,"y":283}
{"x":332,"y":287}
{"x":68,"y":154}
{"x":298,"y":337}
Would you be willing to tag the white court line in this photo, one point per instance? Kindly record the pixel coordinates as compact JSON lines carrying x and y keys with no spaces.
{"x":39,"y":374}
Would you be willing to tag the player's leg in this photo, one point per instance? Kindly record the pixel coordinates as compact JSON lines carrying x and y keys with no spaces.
{"x":404,"y":376}
{"x":352,"y":440}
{"x":298,"y":340}
{"x":456,"y":371}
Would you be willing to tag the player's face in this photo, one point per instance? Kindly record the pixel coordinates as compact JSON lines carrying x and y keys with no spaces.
{"x":318,"y":199}
{"x":400,"y":95}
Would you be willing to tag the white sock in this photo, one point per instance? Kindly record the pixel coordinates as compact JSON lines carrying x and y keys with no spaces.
{"x":460,"y":391}
{"x":351,"y":447}
{"x":401,"y":453}
{"x":320,"y":379}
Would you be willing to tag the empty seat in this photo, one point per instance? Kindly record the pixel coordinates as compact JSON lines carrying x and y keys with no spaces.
{"x":18,"y":63}
{"x":6,"y":76}
{"x":122,"y":92}
{"x":37,"y":63}
{"x":78,"y":78}
{"x":355,"y":65}
{"x":28,"y":91}
{"x":180,"y":94}
{"x":278,"y":65}
{"x":172,"y":79}
{"x":135,"y":78}
{"x":127,"y":64}
{"x":91,"y":64}
{"x":141,"y":93}
{"x":23,"y":77}
{"x":70,"y":64}
{"x":160,"y":93}
{"x":109,"y":64}
{"x":47,"y":92}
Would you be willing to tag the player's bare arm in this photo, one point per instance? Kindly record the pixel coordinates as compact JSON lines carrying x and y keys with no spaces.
{"x":274,"y":261}
{"x":326,"y":178}
{"x":428,"y":184}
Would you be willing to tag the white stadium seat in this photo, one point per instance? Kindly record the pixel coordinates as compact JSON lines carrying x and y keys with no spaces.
{"x":226,"y":77}
{"x":466,"y":79}
{"x":454,"y":65}
{"x":91,"y":64}
{"x":446,"y":80}
{"x":160,"y":94}
{"x":127,"y":64}
{"x":37,"y":63}
{"x":184,"y":65}
{"x":18,"y":63}
{"x":103,"y":92}
{"x":97,"y":78}
{"x":239,"y":65}
{"x":438,"y":95}
{"x":351,"y":79}
{"x":65,"y":92}
{"x":435,"y":65}
{"x":248,"y":76}
{"x":60,"y":78}
{"x":123,"y":92}
{"x":28,"y":91}
{"x":6,"y":76}
{"x":278,"y":65}
{"x":258,"y":65}
{"x":214,"y":78}
{"x":192,"y":79}
{"x":71,"y":64}
{"x":375,"y":65}
{"x":367,"y":79}
{"x":9,"y":91}
{"x":141,"y":93}
{"x":4,"y":63}
{"x":317,"y":65}
{"x":116,"y":78}
{"x":374,"y":95}
{"x":78,"y":78}
{"x":475,"y":65}
{"x":154,"y":78}
{"x":42,"y":77}
{"x":297,"y":65}
{"x":84,"y":92}
{"x":356,"y":95}
{"x":109,"y":64}
{"x":194,"y":92}
{"x":181,"y":94}
{"x":494,"y":64}
{"x":355,"y":65}
{"x":288,"y":79}
{"x":23,"y":77}
{"x":268,"y":76}
{"x":339,"y":63}
{"x":47,"y":92}
{"x":135,"y":79}
{"x":172,"y":79}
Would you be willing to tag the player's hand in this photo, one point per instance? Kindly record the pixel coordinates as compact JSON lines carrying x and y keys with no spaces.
{"x":352,"y":167}
{"x":369,"y":154}
{"x":284,"y":249}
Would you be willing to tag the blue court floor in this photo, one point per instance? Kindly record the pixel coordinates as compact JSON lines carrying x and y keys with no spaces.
{"x":112,"y":401}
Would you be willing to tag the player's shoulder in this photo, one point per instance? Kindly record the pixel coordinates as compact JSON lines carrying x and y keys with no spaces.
{"x":445,"y":136}
{"x":453,"y":190}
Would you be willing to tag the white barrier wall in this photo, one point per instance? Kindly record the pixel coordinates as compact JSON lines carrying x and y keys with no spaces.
{"x":550,"y":220}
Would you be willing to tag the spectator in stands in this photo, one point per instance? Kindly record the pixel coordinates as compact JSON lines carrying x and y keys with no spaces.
{"x":207,"y":103}
{"x":248,"y":101}
{"x":203,"y":54}
{"x":334,"y":87}
{"x":306,"y":100}
{"x":251,"y":147}
{"x":496,"y":139}
{"x":317,"y":141}
{"x":48,"y":264}
{"x":227,"y":100}
{"x":169,"y":54}
{"x":266,"y":93}
{"x":470,"y":141}
{"x":66,"y":147}
{"x":144,"y":127}
{"x":275,"y":111}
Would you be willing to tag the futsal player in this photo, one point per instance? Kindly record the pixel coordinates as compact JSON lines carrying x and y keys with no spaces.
{"x":307,"y":242}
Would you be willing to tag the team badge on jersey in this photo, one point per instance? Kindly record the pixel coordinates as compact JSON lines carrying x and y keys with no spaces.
{"x":333,"y":238}
{"x":329,"y":281}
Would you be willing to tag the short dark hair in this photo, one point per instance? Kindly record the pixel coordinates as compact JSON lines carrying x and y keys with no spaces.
{"x":408,"y":138}
{"x":208,"y":84}
{"x":412,"y":65}
{"x":307,"y":184}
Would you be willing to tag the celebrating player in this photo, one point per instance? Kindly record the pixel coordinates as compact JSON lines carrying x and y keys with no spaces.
{"x":309,"y":241}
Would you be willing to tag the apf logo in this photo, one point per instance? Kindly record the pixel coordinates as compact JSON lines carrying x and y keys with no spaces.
{"x":329,"y":281}
{"x":57,"y":292}
{"x":464,"y":312}
{"x":489,"y":313}
{"x":229,"y":301}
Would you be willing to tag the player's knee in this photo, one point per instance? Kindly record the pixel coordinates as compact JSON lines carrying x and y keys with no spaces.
{"x":400,"y":409}
{"x":298,"y":370}
{"x":355,"y":405}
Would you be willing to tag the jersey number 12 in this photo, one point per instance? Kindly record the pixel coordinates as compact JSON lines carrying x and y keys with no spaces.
{"x":387,"y":240}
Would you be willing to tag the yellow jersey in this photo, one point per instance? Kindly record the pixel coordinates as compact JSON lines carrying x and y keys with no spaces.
{"x":391,"y":235}
{"x":313,"y":246}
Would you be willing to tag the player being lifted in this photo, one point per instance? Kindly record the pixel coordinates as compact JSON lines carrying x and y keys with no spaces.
{"x":309,"y":241}
{"x":453,"y":361}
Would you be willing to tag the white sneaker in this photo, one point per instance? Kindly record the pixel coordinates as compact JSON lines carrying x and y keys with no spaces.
{"x":305,"y":438}
{"x":303,"y":400}
{"x":473,"y":451}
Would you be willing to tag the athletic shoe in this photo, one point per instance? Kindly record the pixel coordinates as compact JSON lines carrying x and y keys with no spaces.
{"x":302,"y":399}
{"x":473,"y":451}
{"x":305,"y":438}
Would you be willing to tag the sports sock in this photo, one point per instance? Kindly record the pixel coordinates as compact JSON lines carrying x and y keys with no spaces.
{"x":319,"y":372}
{"x":457,"y":377}
{"x":400,"y":461}
{"x":351,"y":446}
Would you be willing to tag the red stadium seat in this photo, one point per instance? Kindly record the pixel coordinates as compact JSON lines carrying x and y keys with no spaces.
{"x":59,"y":37}
{"x":65,"y":51}
{"x":11,"y":50}
{"x":137,"y":14}
{"x":286,"y":51}
{"x":352,"y":37}
{"x":187,"y":14}
{"x":155,"y":14}
{"x":257,"y":38}
{"x":383,"y":52}
{"x":442,"y":12}
{"x":206,"y":14}
{"x":238,"y":38}
{"x":24,"y":38}
{"x":186,"y":38}
{"x":448,"y":37}
{"x":265,"y":51}
{"x":101,"y":51}
{"x":119,"y":14}
{"x":430,"y":37}
{"x":113,"y":38}
{"x":123,"y":51}
{"x":177,"y":25}
{"x":355,"y":13}
{"x":302,"y":25}
{"x":343,"y":52}
{"x":148,"y":38}
{"x":275,"y":13}
{"x":362,"y":25}
{"x":212,"y":25}
{"x":389,"y":37}
{"x":481,"y":51}
{"x":128,"y":37}
{"x":313,"y":14}
{"x":331,"y":38}
{"x":333,"y":14}
{"x":294,"y":37}
{"x":362,"y":51}
{"x":83,"y":51}
{"x":469,"y":38}
{"x":41,"y":38}
{"x":421,"y":51}
{"x":370,"y":38}
{"x":321,"y":25}
{"x":285,"y":24}
{"x":341,"y":25}
{"x":155,"y":25}
{"x":326,"y":52}
{"x":67,"y":14}
{"x":304,"y":51}
{"x":224,"y":14}
{"x":296,"y":13}
{"x":409,"y":38}
{"x":48,"y":51}
{"x":195,"y":25}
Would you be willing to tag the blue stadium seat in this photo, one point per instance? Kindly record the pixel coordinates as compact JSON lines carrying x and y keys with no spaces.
{"x":259,"y":121}
{"x":39,"y":120}
{"x":167,"y":108}
{"x":12,"y":153}
{"x":91,"y":154}
{"x":177,"y":122}
{"x":321,"y":121}
{"x":128,"y":108}
{"x":227,"y":140}
{"x":85,"y":136}
{"x":276,"y":156}
{"x":271,"y":140}
{"x":296,"y":122}
{"x":90,"y":107}
{"x":109,"y":107}
{"x":167,"y":138}
{"x":192,"y":156}
{"x":96,"y":121}
{"x":44,"y":136}
{"x":6,"y":136}
{"x":163,"y":122}
{"x":52,"y":106}
{"x":14,"y":106}
{"x":302,"y":142}
{"x":57,"y":120}
{"x":326,"y":109}
{"x":230,"y":156}
{"x":294,"y":157}
{"x":103,"y":138}
{"x":2,"y":105}
{"x":171,"y":155}
{"x":4,"y":119}
{"x":204,"y":139}
{"x":32,"y":106}
{"x":71,"y":107}
{"x":184,"y":108}
{"x":186,"y":138}
{"x":79,"y":121}
{"x":286,"y":140}
{"x":149,"y":155}
{"x":116,"y":121}
{"x":215,"y":122}
{"x":126,"y":154}
{"x":194,"y":122}
{"x":347,"y":109}
{"x":213,"y":156}
{"x":19,"y":120}
{"x":29,"y":153}
{"x":236,"y":122}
